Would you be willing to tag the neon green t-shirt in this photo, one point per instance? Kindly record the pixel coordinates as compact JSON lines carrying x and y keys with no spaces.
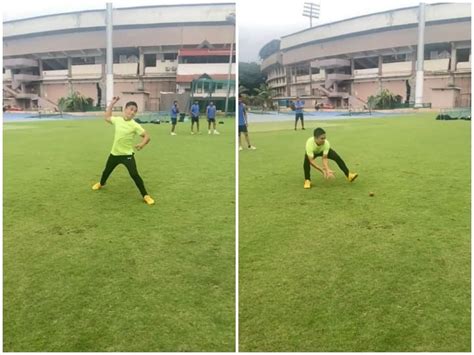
{"x":125,"y":133}
{"x":312,"y":148}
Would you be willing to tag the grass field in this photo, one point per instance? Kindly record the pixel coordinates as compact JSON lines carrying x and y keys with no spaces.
{"x":333,"y":269}
{"x":100,"y":270}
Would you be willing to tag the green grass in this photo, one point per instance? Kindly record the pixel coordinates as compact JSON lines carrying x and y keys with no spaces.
{"x":100,"y":270}
{"x":332,"y":269}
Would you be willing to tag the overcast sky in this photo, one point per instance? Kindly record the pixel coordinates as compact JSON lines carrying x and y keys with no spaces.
{"x":259,"y":21}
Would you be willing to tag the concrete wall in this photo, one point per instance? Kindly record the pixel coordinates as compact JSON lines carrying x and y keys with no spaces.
{"x":378,"y":21}
{"x":363,"y":90}
{"x":140,"y":98}
{"x":463,"y":66}
{"x":166,"y":67}
{"x":444,"y":98}
{"x":275,"y":58}
{"x":436,"y":65}
{"x":300,"y":90}
{"x":87,"y":90}
{"x":53,"y":92}
{"x":125,"y":69}
{"x":396,"y":87}
{"x":55,"y":75}
{"x":396,"y":69}
{"x":372,"y":42}
{"x":149,"y":15}
{"x":464,"y":83}
{"x":366,"y":73}
{"x":153,"y":36}
{"x":155,"y":89}
{"x":93,"y":71}
{"x":214,"y":68}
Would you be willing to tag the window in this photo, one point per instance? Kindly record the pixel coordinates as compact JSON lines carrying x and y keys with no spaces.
{"x":150,"y":60}
{"x":437,"y":51}
{"x":125,"y":55}
{"x":394,"y":58}
{"x":366,"y":63}
{"x":302,"y":71}
{"x":170,"y":56}
{"x":55,"y":64}
{"x":463,"y":54}
{"x":83,"y":60}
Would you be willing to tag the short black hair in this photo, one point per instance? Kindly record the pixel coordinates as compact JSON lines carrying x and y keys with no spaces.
{"x":319,"y":131}
{"x":131,"y":103}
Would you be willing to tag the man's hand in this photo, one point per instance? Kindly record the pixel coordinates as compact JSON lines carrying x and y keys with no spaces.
{"x":115,"y":99}
{"x":139,"y":147}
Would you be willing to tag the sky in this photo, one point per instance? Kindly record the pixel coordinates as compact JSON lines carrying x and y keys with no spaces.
{"x":258,"y":21}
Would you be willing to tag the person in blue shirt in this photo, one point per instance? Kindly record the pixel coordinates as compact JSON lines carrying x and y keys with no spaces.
{"x":211,"y":117}
{"x":174,"y":117}
{"x":299,"y":105}
{"x":243,"y":124}
{"x":195,"y":117}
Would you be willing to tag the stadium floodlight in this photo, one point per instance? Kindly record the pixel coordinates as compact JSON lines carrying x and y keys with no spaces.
{"x":311,"y":10}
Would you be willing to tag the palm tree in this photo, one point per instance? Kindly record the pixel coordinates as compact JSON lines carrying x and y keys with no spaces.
{"x":264,"y":94}
{"x":74,"y":103}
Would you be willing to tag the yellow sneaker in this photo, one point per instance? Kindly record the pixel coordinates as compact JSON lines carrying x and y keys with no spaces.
{"x":97,"y":186}
{"x":307,"y":184}
{"x":148,"y":200}
{"x":352,"y":176}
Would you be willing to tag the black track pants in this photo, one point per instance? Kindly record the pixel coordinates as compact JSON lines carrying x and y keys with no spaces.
{"x":130,"y":164}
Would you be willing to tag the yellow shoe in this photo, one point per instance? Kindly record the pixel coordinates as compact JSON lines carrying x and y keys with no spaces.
{"x":97,"y":186}
{"x":307,"y":184}
{"x":148,"y":200}
{"x":352,"y":176}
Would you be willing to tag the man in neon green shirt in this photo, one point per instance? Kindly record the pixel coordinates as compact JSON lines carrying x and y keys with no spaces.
{"x":318,"y":146}
{"x":126,"y":130}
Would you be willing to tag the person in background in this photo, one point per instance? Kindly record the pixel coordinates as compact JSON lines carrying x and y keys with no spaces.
{"x":174,"y":117}
{"x":299,"y":105}
{"x":195,"y":117}
{"x":243,"y":125}
{"x":211,"y":117}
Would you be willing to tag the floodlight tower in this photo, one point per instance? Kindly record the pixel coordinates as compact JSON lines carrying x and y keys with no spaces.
{"x":231,"y":20}
{"x":311,"y":10}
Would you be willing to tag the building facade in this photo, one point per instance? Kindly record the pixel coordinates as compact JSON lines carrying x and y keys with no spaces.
{"x":49,"y":57}
{"x":342,"y":64}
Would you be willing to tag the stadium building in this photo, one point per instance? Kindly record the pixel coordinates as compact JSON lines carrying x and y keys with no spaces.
{"x":342,"y":64}
{"x":157,"y":50}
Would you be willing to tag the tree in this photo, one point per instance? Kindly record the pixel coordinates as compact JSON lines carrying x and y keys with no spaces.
{"x":384,"y":100}
{"x":250,"y":76}
{"x":264,"y":95}
{"x":75,"y":102}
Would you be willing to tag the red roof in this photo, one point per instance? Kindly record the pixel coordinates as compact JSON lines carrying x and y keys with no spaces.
{"x":189,"y":78}
{"x":203,"y":52}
